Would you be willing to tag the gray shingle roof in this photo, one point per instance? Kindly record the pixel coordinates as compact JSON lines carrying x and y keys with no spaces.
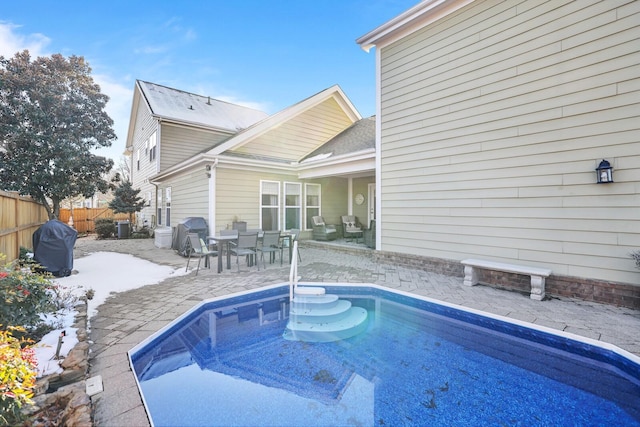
{"x":187,"y":107}
{"x":359,"y":136}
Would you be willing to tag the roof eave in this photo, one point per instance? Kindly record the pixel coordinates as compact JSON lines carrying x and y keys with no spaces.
{"x":274,"y":120}
{"x":419,"y":16}
{"x":191,"y":163}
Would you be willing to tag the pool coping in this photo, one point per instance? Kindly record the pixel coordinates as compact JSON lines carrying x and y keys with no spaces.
{"x":540,"y":329}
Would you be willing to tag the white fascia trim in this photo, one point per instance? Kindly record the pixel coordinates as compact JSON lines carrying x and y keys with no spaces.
{"x":196,"y":161}
{"x":132,"y":120}
{"x":347,"y":164}
{"x":275,"y":120}
{"x":190,"y":125}
{"x":419,"y":16}
{"x":345,"y":158}
{"x":253,"y":164}
{"x":356,"y":167}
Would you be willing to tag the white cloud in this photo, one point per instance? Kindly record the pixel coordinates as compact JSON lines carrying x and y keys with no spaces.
{"x":119,"y":109}
{"x":120,"y":97}
{"x":11,"y":41}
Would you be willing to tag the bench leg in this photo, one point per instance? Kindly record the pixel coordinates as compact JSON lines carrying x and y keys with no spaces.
{"x":537,"y":288}
{"x":470,"y":276}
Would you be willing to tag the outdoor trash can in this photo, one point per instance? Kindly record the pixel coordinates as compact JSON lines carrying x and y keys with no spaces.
{"x":123,"y":229}
{"x":53,"y":247}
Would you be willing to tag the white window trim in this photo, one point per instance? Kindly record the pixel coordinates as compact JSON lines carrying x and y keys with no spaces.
{"x":306,"y":207}
{"x":298,"y":206}
{"x":277,"y":207}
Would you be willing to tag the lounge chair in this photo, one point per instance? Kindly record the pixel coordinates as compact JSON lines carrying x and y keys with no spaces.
{"x":351,"y":227}
{"x":322,"y":231}
{"x":370,"y":235}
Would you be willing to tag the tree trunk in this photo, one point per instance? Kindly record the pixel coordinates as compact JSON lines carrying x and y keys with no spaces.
{"x":56,"y":209}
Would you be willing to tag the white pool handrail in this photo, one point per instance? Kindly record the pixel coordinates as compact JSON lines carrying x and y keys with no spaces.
{"x":293,"y":272}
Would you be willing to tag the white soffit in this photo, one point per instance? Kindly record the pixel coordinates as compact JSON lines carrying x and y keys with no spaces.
{"x":419,"y":16}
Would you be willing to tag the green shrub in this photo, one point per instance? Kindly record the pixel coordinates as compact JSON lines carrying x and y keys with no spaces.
{"x":105,"y":228}
{"x":18,"y":371}
{"x":25,"y":295}
{"x":142,"y":233}
{"x":26,"y":258}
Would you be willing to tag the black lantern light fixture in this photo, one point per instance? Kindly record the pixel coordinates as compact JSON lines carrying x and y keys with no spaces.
{"x":604,"y":172}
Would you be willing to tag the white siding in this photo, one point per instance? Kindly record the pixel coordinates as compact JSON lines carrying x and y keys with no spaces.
{"x":189,"y":195}
{"x":179,"y":143}
{"x":238,"y":196}
{"x":493,"y":121}
{"x":301,"y":135}
{"x":145,"y":125}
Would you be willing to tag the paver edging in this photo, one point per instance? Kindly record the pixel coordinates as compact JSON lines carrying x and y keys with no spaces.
{"x":65,"y":393}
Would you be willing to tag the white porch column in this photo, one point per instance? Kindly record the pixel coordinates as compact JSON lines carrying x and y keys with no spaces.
{"x":350,"y":196}
{"x":212,"y":198}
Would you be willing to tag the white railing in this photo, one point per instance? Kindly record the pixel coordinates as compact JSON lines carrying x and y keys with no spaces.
{"x":293,"y":272}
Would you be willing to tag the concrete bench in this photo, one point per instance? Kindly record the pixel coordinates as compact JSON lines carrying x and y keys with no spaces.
{"x":538,"y":275}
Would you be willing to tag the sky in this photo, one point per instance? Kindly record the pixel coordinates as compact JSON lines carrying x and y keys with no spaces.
{"x":265,"y":54}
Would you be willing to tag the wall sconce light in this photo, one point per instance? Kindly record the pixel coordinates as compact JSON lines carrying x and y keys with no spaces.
{"x":604,"y":172}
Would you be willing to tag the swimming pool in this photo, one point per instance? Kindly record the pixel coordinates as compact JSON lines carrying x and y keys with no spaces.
{"x":418,"y":362}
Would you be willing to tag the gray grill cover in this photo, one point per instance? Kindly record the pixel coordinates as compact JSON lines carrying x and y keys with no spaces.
{"x":53,"y":247}
{"x":188,"y":225}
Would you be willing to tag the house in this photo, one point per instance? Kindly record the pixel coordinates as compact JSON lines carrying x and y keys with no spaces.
{"x":194,"y":156}
{"x":492,"y":118}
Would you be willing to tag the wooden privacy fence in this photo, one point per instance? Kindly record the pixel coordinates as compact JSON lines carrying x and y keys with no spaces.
{"x":20,"y":217}
{"x":84,"y":218}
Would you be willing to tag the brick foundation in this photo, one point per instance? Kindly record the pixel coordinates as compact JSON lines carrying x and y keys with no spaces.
{"x":612,"y":293}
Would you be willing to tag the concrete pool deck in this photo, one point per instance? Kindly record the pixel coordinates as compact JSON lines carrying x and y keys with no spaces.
{"x":129,"y":317}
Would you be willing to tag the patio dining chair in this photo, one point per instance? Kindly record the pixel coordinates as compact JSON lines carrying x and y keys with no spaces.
{"x":196,"y":247}
{"x":270,"y":244}
{"x":247,"y":246}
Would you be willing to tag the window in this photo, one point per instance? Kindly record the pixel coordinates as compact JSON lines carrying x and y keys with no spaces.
{"x":167,"y":201}
{"x":292,"y":205}
{"x":138,"y":159}
{"x":148,"y":198}
{"x":269,"y":205}
{"x":152,"y":147}
{"x":159,"y":207}
{"x":312,"y":202}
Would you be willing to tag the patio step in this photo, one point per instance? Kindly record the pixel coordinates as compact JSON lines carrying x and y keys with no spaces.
{"x":309,"y":290}
{"x":324,"y":318}
{"x":325,"y":313}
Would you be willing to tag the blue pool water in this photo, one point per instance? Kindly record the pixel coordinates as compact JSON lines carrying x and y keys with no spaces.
{"x":418,"y":363}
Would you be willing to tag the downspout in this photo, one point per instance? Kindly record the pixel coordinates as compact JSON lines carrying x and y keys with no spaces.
{"x":154,"y":212}
{"x":379,"y":195}
{"x":211,"y":175}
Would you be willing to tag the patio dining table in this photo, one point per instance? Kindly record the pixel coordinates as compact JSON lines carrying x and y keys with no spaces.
{"x":224,"y":243}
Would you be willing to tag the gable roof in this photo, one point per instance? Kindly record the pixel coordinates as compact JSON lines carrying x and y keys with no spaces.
{"x":281,"y":140}
{"x":277,"y":123}
{"x":184,"y":107}
{"x":360,"y":136}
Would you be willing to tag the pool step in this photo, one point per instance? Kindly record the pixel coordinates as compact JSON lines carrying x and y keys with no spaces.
{"x":322,"y":317}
